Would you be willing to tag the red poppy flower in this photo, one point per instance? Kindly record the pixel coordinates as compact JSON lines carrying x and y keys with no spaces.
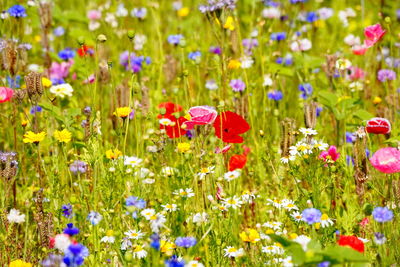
{"x":378,"y":126}
{"x":228,"y":125}
{"x":85,"y":50}
{"x":237,"y":162}
{"x":173,"y":126}
{"x":351,"y":241}
{"x":169,"y":108}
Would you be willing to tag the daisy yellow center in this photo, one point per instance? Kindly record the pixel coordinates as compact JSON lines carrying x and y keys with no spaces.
{"x":232,"y":250}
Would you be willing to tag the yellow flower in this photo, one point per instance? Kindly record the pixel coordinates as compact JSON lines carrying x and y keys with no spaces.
{"x":293,"y":236}
{"x":63,"y":136}
{"x":251,"y":236}
{"x":183,"y":12}
{"x":183,"y":147}
{"x":234,"y":64}
{"x":31,"y":137}
{"x":317,"y":226}
{"x":113,"y":154}
{"x":377,"y":100}
{"x":343,"y":98}
{"x":122,"y":112}
{"x":38,"y":38}
{"x":46,"y":82}
{"x":229,"y":23}
{"x":19,"y":263}
{"x":167,"y":247}
{"x":110,"y":233}
{"x":24,"y":121}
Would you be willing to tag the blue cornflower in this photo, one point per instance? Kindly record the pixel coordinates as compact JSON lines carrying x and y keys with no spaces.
{"x":66,"y":54}
{"x":59,"y":31}
{"x":311,"y":215}
{"x":94,"y":217}
{"x":278,"y":36}
{"x":175,"y":39}
{"x":271,"y":3}
{"x":324,"y":264}
{"x":174,"y":261}
{"x":75,"y":255}
{"x":297,"y":1}
{"x":311,"y":17}
{"x":155,"y":241}
{"x":136,"y":202}
{"x":139,"y":13}
{"x":14,"y":83}
{"x":379,"y":238}
{"x":71,"y":230}
{"x":382,"y":214}
{"x":350,"y":137}
{"x":17,"y":11}
{"x":319,"y":110}
{"x":55,"y":81}
{"x":195,"y":56}
{"x":78,"y":166}
{"x":349,"y":160}
{"x":237,"y":85}
{"x":67,"y":210}
{"x":275,"y":95}
{"x":35,"y":109}
{"x":306,"y":90}
{"x":186,"y":242}
{"x":216,"y":50}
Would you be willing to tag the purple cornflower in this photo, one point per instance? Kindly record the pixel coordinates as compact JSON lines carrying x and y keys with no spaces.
{"x":237,"y":85}
{"x":382,"y":214}
{"x":216,"y":50}
{"x":306,"y":90}
{"x":78,"y":167}
{"x":249,"y":44}
{"x":139,"y":13}
{"x":386,"y":74}
{"x":350,"y":137}
{"x":136,"y":202}
{"x":136,"y":62}
{"x":71,"y":230}
{"x":186,"y":242}
{"x":52,"y":260}
{"x":67,"y":210}
{"x":174,"y":261}
{"x":94,"y":217}
{"x":379,"y":238}
{"x":278,"y":36}
{"x":75,"y":255}
{"x":297,"y":1}
{"x":59,"y":31}
{"x":319,"y":110}
{"x":275,"y":95}
{"x":66,"y":54}
{"x":311,"y":215}
{"x":17,"y":11}
{"x":175,"y":39}
{"x":324,"y":264}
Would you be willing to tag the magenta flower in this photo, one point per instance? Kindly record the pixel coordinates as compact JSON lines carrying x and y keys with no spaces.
{"x":386,"y":160}
{"x":6,"y":94}
{"x":373,"y":34}
{"x":330,"y":156}
{"x":200,"y":115}
{"x":59,"y":71}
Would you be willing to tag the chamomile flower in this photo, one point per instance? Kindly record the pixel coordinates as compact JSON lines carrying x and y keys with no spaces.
{"x":168,"y":171}
{"x":303,"y":241}
{"x":132,"y":161}
{"x":326,"y":221}
{"x":274,"y":249}
{"x":139,"y":252}
{"x":134,"y":234}
{"x":273,"y":225}
{"x":275,"y":202}
{"x":109,"y":237}
{"x":286,"y":159}
{"x":200,"y":218}
{"x":319,"y":145}
{"x":289,"y":205}
{"x":232,"y":202}
{"x":204,"y":171}
{"x":126,"y":243}
{"x":297,"y":216}
{"x":157,"y":221}
{"x":248,"y":197}
{"x":184,"y":193}
{"x":194,"y":263}
{"x":230,"y":176}
{"x":233,"y":252}
{"x":170,"y":207}
{"x":148,"y":213}
{"x":308,"y":131}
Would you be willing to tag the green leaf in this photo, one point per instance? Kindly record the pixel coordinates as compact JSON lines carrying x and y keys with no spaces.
{"x":283,"y":241}
{"x":327,"y":98}
{"x":362,"y":114}
{"x":74,"y":112}
{"x":344,"y":254}
{"x":279,"y":69}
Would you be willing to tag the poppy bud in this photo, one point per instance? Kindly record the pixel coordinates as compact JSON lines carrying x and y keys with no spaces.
{"x":378,"y":126}
{"x":81,"y":40}
{"x":101,"y":38}
{"x":131,"y":34}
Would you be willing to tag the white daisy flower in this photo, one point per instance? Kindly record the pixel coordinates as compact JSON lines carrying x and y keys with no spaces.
{"x":232,"y":202}
{"x":326,"y":221}
{"x":170,"y":207}
{"x":233,"y":252}
{"x":296,"y":216}
{"x":15,"y":216}
{"x":139,"y":252}
{"x":184,"y":193}
{"x":308,"y":131}
{"x":134,"y":234}
{"x":229,"y":176}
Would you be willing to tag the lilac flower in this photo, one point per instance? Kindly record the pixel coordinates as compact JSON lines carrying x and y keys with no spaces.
{"x":319,"y":110}
{"x":175,"y":39}
{"x":17,"y":11}
{"x":382,"y":214}
{"x":78,"y":166}
{"x":53,"y":260}
{"x":174,"y":261}
{"x":66,"y":54}
{"x":195,"y":56}
{"x":94,"y":217}
{"x":278,"y":36}
{"x":216,"y":50}
{"x":14,"y":83}
{"x":59,"y":31}
{"x":306,"y":90}
{"x":311,"y":215}
{"x":350,"y":137}
{"x":186,"y":242}
{"x":237,"y":85}
{"x":75,"y":255}
{"x":71,"y":230}
{"x":275,"y":95}
{"x":67,"y":210}
{"x":217,"y":5}
{"x":139,"y":13}
{"x":311,"y":17}
{"x":379,"y":238}
{"x":386,"y":74}
{"x":249,"y":44}
{"x":35,"y":109}
{"x":324,"y":264}
{"x":136,"y":62}
{"x":136,"y":202}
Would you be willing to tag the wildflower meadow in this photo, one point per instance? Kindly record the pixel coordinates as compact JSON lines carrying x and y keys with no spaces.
{"x":193,"y":133}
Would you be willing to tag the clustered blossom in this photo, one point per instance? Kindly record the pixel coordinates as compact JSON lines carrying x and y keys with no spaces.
{"x":215,"y":5}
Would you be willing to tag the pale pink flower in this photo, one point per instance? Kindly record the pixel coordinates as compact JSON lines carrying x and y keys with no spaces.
{"x":6,"y":94}
{"x":330,"y":156}
{"x":373,"y":34}
{"x":356,"y":73}
{"x":200,"y":115}
{"x":223,"y":150}
{"x":386,"y":160}
{"x":359,"y":49}
{"x":94,"y":14}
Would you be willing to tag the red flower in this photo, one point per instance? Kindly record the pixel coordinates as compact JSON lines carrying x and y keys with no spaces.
{"x":237,"y":162}
{"x":351,"y":241}
{"x":85,"y":50}
{"x":169,"y":108}
{"x":174,"y":126}
{"x":228,"y":125}
{"x":378,"y":126}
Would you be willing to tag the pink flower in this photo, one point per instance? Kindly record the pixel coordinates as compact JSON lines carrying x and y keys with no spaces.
{"x":94,"y":14}
{"x":359,"y":49}
{"x":6,"y":94}
{"x":223,"y":150}
{"x":386,"y":160}
{"x":330,"y":156}
{"x":60,"y":70}
{"x":373,"y":34}
{"x":356,"y":73}
{"x":200,"y":115}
